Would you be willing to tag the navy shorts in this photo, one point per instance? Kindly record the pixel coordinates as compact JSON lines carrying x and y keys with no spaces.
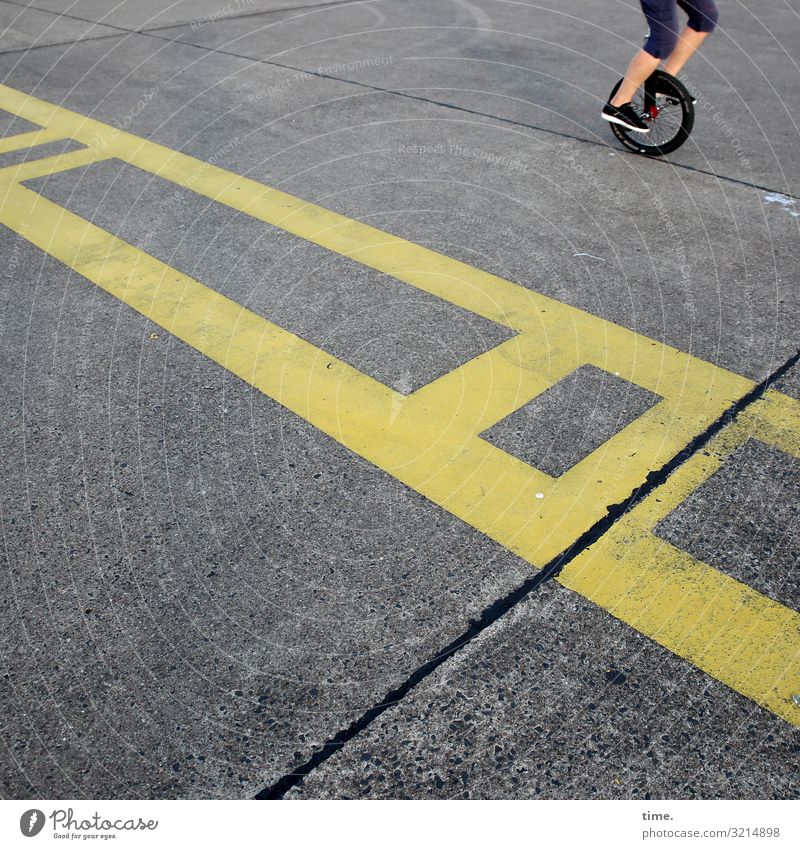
{"x":662,"y":17}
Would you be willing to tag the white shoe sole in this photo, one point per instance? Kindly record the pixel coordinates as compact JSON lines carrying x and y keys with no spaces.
{"x":612,"y":120}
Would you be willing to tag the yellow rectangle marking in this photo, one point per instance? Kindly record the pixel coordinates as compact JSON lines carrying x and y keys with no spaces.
{"x":739,"y":636}
{"x":429,"y":439}
{"x":449,"y":462}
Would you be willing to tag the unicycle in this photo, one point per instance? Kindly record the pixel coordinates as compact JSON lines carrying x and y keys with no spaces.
{"x":667,"y":107}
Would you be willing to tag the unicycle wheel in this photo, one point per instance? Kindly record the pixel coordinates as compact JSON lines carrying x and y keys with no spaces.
{"x":667,"y":107}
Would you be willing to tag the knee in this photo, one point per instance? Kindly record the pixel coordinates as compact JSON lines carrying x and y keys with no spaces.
{"x":661,"y":41}
{"x":669,"y":41}
{"x":705,"y":16}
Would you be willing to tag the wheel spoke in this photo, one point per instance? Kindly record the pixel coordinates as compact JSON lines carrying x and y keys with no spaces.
{"x":672,"y":122}
{"x":664,"y":127}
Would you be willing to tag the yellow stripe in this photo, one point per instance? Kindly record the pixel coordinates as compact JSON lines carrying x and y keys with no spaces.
{"x":23,"y":140}
{"x":430,"y":439}
{"x":450,"y":464}
{"x":48,"y":165}
{"x":748,"y":641}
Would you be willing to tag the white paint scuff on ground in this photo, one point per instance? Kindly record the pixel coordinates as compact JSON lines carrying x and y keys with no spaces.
{"x":402,"y":385}
{"x":590,"y":255}
{"x":782,"y":200}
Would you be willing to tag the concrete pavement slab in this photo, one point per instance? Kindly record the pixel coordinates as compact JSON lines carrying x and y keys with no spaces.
{"x":199,"y":584}
{"x":144,"y":14}
{"x":560,"y":701}
{"x":790,"y":382}
{"x":571,"y":419}
{"x":551,"y":66}
{"x":22,"y":28}
{"x":682,"y":258}
{"x":11,"y":125}
{"x":400,"y":336}
{"x":203,"y":587}
{"x":744,"y":521}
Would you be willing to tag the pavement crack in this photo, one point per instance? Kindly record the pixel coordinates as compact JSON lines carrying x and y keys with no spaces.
{"x":500,"y":607}
{"x":65,"y":15}
{"x":70,"y":43}
{"x":154,"y":33}
{"x":497,"y":609}
{"x":466,"y":110}
{"x":175,"y":24}
{"x":259,"y":13}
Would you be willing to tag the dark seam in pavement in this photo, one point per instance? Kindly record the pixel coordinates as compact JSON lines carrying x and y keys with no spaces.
{"x":514,"y":123}
{"x":153,"y":34}
{"x":468,"y":111}
{"x":72,"y":41}
{"x":614,"y":512}
{"x":500,"y":607}
{"x":123,"y":31}
{"x":172,"y":25}
{"x":309,"y":6}
{"x":66,"y":15}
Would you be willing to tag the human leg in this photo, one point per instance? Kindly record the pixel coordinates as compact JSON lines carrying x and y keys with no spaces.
{"x":640,"y":68}
{"x":662,"y":18}
{"x":703,"y":17}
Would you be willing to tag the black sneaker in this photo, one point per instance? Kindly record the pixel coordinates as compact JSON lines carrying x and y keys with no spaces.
{"x":626,"y":116}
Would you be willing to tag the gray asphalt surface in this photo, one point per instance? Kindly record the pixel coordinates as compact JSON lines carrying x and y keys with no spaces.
{"x":200,"y":590}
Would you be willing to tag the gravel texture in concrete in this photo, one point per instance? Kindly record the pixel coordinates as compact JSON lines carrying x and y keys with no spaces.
{"x":744,"y":521}
{"x":561,"y":701}
{"x":571,"y":419}
{"x":200,"y":589}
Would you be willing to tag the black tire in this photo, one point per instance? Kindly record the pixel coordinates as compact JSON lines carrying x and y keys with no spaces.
{"x":672,"y":116}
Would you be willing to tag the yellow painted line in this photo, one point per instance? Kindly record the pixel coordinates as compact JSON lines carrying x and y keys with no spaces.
{"x":445,"y":458}
{"x":31,"y":139}
{"x":430,"y":439}
{"x":48,"y":165}
{"x":737,"y":635}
